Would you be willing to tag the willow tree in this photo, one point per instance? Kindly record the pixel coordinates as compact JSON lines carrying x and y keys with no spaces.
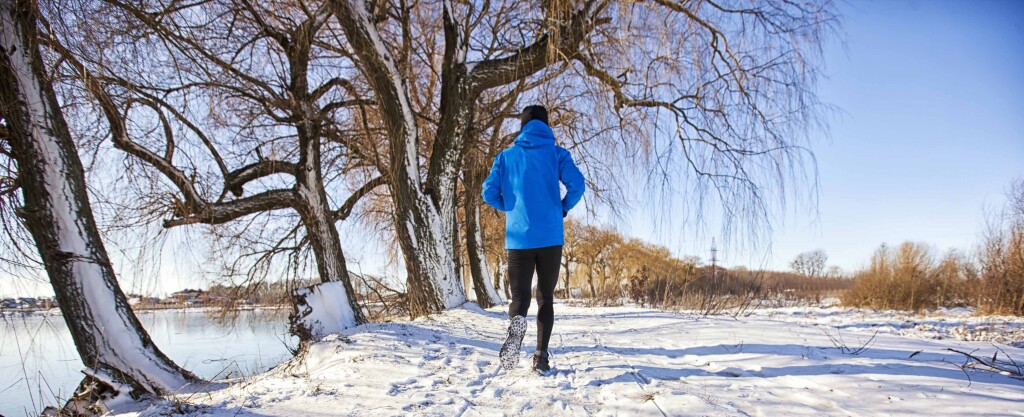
{"x":231,"y":103}
{"x":115,"y":348}
{"x":723,"y":91}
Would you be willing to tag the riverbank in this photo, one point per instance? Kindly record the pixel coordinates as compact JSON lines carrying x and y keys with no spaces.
{"x":173,"y":307}
{"x":40,"y":366}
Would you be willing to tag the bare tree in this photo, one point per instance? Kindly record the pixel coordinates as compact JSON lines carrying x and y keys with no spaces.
{"x":113,"y":345}
{"x":810,"y":264}
{"x":273,"y":127}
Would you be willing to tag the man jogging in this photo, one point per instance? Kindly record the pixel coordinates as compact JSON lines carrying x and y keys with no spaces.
{"x":523,"y":183}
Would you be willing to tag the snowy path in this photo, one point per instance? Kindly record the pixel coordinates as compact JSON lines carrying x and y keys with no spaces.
{"x":626,"y":361}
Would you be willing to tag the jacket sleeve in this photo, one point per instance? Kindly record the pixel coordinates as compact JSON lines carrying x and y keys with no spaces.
{"x":492,"y":185}
{"x":570,"y":175}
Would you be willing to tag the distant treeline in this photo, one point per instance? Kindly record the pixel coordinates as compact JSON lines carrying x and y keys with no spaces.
{"x":600,"y":266}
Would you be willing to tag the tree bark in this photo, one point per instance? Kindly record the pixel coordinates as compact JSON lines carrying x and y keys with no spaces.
{"x":325,"y":243}
{"x":424,"y":228}
{"x":486,"y":295}
{"x":311,"y":196}
{"x":593,"y":289}
{"x":567,"y":295}
{"x":501,"y":280}
{"x":112,"y":343}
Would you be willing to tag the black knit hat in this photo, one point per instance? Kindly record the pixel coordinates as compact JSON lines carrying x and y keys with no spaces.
{"x":533,"y":113}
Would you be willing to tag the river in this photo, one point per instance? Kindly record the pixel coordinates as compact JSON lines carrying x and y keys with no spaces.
{"x":39,"y":365}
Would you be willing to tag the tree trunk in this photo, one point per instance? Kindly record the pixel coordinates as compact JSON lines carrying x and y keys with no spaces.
{"x":501,"y":280}
{"x":112,"y":343}
{"x":425,"y":228}
{"x":565,"y":264}
{"x":567,"y":294}
{"x":593,"y":290}
{"x":486,"y":294}
{"x":604,"y":276}
{"x":433,"y":282}
{"x":318,"y":219}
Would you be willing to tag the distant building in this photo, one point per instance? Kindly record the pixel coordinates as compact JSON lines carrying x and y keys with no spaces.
{"x":189,"y":297}
{"x":28,"y":303}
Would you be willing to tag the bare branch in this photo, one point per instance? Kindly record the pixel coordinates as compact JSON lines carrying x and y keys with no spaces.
{"x":224,"y":212}
{"x":346,"y":208}
{"x":527,"y":61}
{"x":236,"y":179}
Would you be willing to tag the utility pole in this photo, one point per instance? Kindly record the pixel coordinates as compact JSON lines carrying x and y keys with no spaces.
{"x":714,"y":260}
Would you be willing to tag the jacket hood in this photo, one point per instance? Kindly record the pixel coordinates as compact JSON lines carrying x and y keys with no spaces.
{"x":536,"y":133}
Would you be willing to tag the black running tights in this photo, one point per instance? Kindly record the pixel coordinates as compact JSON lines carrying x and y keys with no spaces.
{"x":521,"y":265}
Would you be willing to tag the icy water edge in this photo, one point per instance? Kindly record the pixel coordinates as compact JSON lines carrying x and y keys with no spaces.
{"x":39,"y":364}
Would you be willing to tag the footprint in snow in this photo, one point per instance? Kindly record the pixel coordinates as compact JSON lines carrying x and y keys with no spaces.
{"x":418,"y":405}
{"x":734,"y":372}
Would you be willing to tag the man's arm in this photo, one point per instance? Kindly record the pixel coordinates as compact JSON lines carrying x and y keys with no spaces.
{"x":570,"y":175}
{"x":492,"y":185}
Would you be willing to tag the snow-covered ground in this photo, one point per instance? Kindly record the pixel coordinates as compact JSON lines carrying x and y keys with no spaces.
{"x":632,"y":361}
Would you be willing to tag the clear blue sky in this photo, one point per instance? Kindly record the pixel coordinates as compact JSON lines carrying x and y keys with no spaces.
{"x":929,"y":133}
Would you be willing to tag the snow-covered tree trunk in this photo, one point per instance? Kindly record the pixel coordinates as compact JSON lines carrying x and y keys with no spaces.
{"x":424,"y":228}
{"x":501,"y":279}
{"x":319,"y":310}
{"x":433,"y":279}
{"x":485,"y":289}
{"x":318,"y":219}
{"x":112,"y":343}
{"x":486,"y":294}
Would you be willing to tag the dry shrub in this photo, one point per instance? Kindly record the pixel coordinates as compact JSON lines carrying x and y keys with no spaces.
{"x":1002,"y":290}
{"x":1002,"y":260}
{"x":638,"y":286}
{"x":909,"y":277}
{"x":732,"y":291}
{"x":609,"y":295}
{"x":784,"y":289}
{"x":715,"y":293}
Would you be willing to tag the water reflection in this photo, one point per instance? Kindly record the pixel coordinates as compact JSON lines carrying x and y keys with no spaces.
{"x":39,"y":364}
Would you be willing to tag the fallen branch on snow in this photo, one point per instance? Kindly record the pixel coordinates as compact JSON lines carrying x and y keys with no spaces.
{"x":840,"y":344}
{"x":1008,"y":366}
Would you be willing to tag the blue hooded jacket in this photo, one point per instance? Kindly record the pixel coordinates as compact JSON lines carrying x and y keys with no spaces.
{"x":524,"y":184}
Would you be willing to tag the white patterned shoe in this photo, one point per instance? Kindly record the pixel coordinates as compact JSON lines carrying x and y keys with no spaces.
{"x":509,"y":353}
